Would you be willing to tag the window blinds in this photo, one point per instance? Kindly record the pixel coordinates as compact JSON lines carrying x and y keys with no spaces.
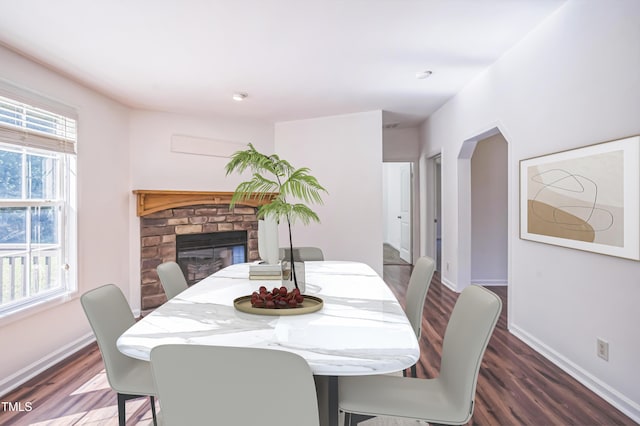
{"x":30,"y":126}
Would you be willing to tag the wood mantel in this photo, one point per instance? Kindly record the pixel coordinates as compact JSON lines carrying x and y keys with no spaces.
{"x":151,"y":201}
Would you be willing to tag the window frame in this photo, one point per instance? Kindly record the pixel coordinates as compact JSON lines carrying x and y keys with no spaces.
{"x":61,"y":147}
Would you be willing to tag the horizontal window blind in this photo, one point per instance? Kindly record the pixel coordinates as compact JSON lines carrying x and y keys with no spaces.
{"x":27,"y":125}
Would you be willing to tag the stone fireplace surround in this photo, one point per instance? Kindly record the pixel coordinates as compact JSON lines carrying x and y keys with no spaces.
{"x":165,"y":214}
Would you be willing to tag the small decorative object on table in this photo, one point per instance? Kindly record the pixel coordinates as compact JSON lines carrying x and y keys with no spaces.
{"x":278,"y":298}
{"x":288,"y":278}
{"x":265,"y":272}
{"x":278,"y":301}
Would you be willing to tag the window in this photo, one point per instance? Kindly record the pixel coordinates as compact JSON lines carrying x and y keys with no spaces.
{"x":37,"y":205}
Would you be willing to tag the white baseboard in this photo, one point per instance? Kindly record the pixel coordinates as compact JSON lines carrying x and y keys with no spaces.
{"x":451,"y":286}
{"x":489,"y":283}
{"x":12,"y":382}
{"x":609,"y":394}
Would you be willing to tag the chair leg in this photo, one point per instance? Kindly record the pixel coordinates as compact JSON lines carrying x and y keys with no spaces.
{"x":122,"y":419}
{"x":414,"y":372}
{"x":153,"y":410}
{"x":123,"y":397}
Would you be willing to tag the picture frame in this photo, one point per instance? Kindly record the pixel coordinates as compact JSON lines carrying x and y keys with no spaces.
{"x":586,"y":198}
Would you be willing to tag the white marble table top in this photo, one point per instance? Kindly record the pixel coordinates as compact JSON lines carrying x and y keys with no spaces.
{"x":361,"y":329}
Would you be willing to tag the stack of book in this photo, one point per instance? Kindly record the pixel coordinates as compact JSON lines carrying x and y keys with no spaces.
{"x":265,"y":271}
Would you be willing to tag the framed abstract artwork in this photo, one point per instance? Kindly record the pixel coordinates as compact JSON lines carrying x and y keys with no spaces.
{"x":586,"y":198}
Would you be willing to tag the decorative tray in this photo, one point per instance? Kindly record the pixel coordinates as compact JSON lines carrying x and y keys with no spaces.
{"x":310,"y":304}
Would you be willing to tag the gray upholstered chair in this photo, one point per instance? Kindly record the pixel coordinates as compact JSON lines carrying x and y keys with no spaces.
{"x":416,"y":293}
{"x":172,"y":279}
{"x":204,"y":385}
{"x":301,"y":254}
{"x":109,"y":315}
{"x":447,"y":399}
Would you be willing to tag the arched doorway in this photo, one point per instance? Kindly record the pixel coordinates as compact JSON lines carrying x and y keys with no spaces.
{"x":483,"y":210}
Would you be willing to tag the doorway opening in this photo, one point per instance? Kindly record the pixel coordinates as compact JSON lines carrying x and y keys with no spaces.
{"x":483,"y":211}
{"x":397,"y":213}
{"x":433,"y":209}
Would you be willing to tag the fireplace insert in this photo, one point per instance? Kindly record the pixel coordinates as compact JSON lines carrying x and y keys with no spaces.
{"x":200,"y":255}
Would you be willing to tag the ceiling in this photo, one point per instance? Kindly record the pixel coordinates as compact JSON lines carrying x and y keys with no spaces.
{"x":295,"y":59}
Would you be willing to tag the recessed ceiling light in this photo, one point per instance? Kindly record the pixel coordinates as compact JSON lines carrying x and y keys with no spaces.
{"x":421,"y":75}
{"x":239,"y":96}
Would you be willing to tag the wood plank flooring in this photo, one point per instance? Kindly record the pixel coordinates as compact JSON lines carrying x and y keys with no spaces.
{"x":516,"y":385}
{"x":74,"y":392}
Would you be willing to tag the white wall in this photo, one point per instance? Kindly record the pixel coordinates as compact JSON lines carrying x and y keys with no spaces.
{"x":573,"y":81}
{"x":345,"y":154}
{"x":400,"y":144}
{"x":155,"y":166}
{"x":35,"y":342}
{"x":489,"y":212}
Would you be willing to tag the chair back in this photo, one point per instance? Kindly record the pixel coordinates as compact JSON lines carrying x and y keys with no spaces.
{"x":109,"y":315}
{"x":301,"y":254}
{"x":417,"y":292}
{"x":200,"y":385}
{"x":470,"y":327}
{"x":172,"y":279}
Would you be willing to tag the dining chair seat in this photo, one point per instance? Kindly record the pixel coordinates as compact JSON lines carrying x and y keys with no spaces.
{"x":109,"y":315}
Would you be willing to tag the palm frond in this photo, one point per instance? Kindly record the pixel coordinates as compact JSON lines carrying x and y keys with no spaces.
{"x":273,"y":175}
{"x":250,"y":159}
{"x":258,"y":188}
{"x":303,"y":213}
{"x":281,"y":210}
{"x":282,"y":167}
{"x":300,"y":184}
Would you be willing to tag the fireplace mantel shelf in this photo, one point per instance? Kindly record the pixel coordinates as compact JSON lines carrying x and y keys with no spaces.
{"x":151,"y":201}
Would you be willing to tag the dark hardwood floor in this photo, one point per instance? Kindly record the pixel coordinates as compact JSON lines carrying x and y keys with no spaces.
{"x":516,"y":385}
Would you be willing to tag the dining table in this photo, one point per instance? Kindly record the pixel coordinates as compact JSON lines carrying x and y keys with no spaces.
{"x":360,"y":328}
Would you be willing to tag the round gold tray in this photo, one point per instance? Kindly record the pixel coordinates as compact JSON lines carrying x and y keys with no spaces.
{"x":310,"y":304}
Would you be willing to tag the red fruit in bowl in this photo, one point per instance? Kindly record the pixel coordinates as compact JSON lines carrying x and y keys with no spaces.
{"x":269,"y":304}
{"x":283,"y":291}
{"x":258,"y":304}
{"x":299,"y":298}
{"x":262,"y":289}
{"x":293,"y":303}
{"x":275,"y":291}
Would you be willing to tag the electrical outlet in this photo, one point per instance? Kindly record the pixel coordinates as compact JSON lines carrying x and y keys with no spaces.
{"x":603,"y":349}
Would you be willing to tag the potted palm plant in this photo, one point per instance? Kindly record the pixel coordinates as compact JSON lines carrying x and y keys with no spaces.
{"x":277,"y":179}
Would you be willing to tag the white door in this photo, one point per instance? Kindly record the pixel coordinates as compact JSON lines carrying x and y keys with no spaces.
{"x":405,"y":213}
